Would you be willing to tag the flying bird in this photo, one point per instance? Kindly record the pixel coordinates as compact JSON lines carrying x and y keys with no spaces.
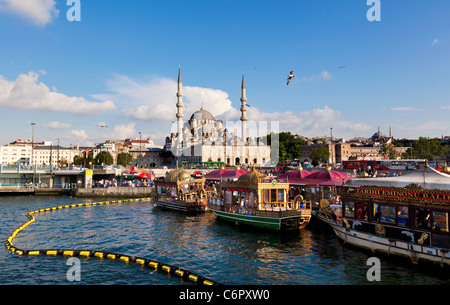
{"x":102,"y":125}
{"x":342,"y":67}
{"x":291,"y":76}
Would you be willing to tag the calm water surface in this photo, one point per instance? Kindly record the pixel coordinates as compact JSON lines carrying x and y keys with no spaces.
{"x":200,"y":244}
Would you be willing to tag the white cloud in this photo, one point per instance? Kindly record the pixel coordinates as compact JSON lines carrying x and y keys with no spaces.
{"x":39,"y":12}
{"x":405,"y":109}
{"x":123,"y":131}
{"x":57,"y":125}
{"x":322,"y":76}
{"x":446,"y":107}
{"x":155,"y":98}
{"x":435,"y":42}
{"x":80,"y":135}
{"x":26,"y":92}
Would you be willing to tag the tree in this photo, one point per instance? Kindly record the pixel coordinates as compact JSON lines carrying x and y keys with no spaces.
{"x":124,"y":159}
{"x":104,"y":157}
{"x":320,"y":154}
{"x":388,"y":151}
{"x":424,"y":148}
{"x":80,"y":160}
{"x":289,"y":145}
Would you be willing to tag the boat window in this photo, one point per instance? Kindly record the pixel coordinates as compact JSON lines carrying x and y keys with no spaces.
{"x":327,"y":193}
{"x":281,"y":195}
{"x":440,"y":221}
{"x":251,"y":199}
{"x":422,"y":218}
{"x":173,"y":191}
{"x":158,"y":189}
{"x":228,"y":196}
{"x":349,"y":209}
{"x":387,"y":214}
{"x":402,"y":216}
{"x":266,"y":196}
{"x":361,"y":210}
{"x":273,"y":195}
{"x":184,"y":188}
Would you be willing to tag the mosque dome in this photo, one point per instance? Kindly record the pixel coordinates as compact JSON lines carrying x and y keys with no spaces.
{"x":202,"y":114}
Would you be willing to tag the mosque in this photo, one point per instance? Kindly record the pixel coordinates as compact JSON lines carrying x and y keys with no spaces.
{"x":204,"y":138}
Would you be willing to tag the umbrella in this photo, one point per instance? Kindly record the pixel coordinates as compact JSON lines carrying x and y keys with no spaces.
{"x":297,"y":176}
{"x":216,"y":174}
{"x":235,"y":173}
{"x":327,"y":177}
{"x":143,"y":175}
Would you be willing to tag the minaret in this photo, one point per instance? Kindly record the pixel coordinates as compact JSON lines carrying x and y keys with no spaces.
{"x":243,"y":110}
{"x":180,"y":105}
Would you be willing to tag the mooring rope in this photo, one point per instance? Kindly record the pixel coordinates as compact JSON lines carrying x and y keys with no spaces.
{"x":150,"y":263}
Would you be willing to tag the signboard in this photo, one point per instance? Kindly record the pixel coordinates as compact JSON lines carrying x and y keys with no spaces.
{"x":88,"y":178}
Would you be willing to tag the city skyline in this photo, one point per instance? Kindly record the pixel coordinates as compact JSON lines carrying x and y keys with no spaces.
{"x":113,"y":74}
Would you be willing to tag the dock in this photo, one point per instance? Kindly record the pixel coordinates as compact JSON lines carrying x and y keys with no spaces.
{"x":129,"y":192}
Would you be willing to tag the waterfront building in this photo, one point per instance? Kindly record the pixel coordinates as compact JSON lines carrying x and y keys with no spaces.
{"x":204,"y":138}
{"x":12,"y":154}
{"x":53,"y":154}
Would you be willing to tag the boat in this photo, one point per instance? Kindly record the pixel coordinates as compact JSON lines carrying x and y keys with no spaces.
{"x":180,"y":191}
{"x":257,"y":200}
{"x":405,"y":215}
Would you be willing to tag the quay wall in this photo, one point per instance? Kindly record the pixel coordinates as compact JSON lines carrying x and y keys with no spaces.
{"x":112,"y":192}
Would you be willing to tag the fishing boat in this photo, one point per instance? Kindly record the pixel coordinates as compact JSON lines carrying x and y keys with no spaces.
{"x":405,"y":215}
{"x":180,"y":191}
{"x":257,"y":200}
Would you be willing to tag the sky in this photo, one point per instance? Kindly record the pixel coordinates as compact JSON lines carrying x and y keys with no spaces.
{"x":118,"y":66}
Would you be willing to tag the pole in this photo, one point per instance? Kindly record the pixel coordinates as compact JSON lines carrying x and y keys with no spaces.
{"x":32,"y":149}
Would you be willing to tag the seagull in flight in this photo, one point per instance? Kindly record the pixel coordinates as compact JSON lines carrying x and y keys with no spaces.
{"x":342,"y":67}
{"x":102,"y":125}
{"x":291,"y":76}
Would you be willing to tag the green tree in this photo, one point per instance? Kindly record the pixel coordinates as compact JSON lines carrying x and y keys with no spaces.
{"x":388,"y":151}
{"x":80,"y":160}
{"x":124,"y":159}
{"x":424,"y":148}
{"x":104,"y":157}
{"x":320,"y":154}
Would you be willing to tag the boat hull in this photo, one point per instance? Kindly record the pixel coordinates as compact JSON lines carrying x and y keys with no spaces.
{"x":271,"y":223}
{"x":192,"y":207}
{"x":414,"y":251}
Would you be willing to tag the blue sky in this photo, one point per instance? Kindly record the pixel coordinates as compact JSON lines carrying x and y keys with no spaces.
{"x":119,"y":66}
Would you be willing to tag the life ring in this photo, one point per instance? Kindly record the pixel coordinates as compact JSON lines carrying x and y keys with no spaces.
{"x":380,"y":229}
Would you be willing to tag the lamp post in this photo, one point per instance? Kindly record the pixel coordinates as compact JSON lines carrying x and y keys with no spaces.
{"x":140,"y":149}
{"x":32,"y":148}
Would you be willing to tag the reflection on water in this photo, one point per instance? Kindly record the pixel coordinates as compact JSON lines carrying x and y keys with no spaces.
{"x":201,"y":244}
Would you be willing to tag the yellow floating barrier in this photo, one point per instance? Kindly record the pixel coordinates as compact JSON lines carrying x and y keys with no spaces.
{"x":85,"y":253}
{"x":166,"y":268}
{"x":34,"y":252}
{"x":111,"y":256}
{"x":193,"y":278}
{"x":125,"y":259}
{"x":140,"y":261}
{"x":180,"y":273}
{"x":68,"y":253}
{"x":153,"y":264}
{"x":99,"y":254}
{"x":52,"y":252}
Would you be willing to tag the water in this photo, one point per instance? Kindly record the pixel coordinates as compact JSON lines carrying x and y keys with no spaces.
{"x":200,"y":244}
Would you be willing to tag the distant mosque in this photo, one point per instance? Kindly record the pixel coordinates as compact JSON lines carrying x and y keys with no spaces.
{"x":203,"y":138}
